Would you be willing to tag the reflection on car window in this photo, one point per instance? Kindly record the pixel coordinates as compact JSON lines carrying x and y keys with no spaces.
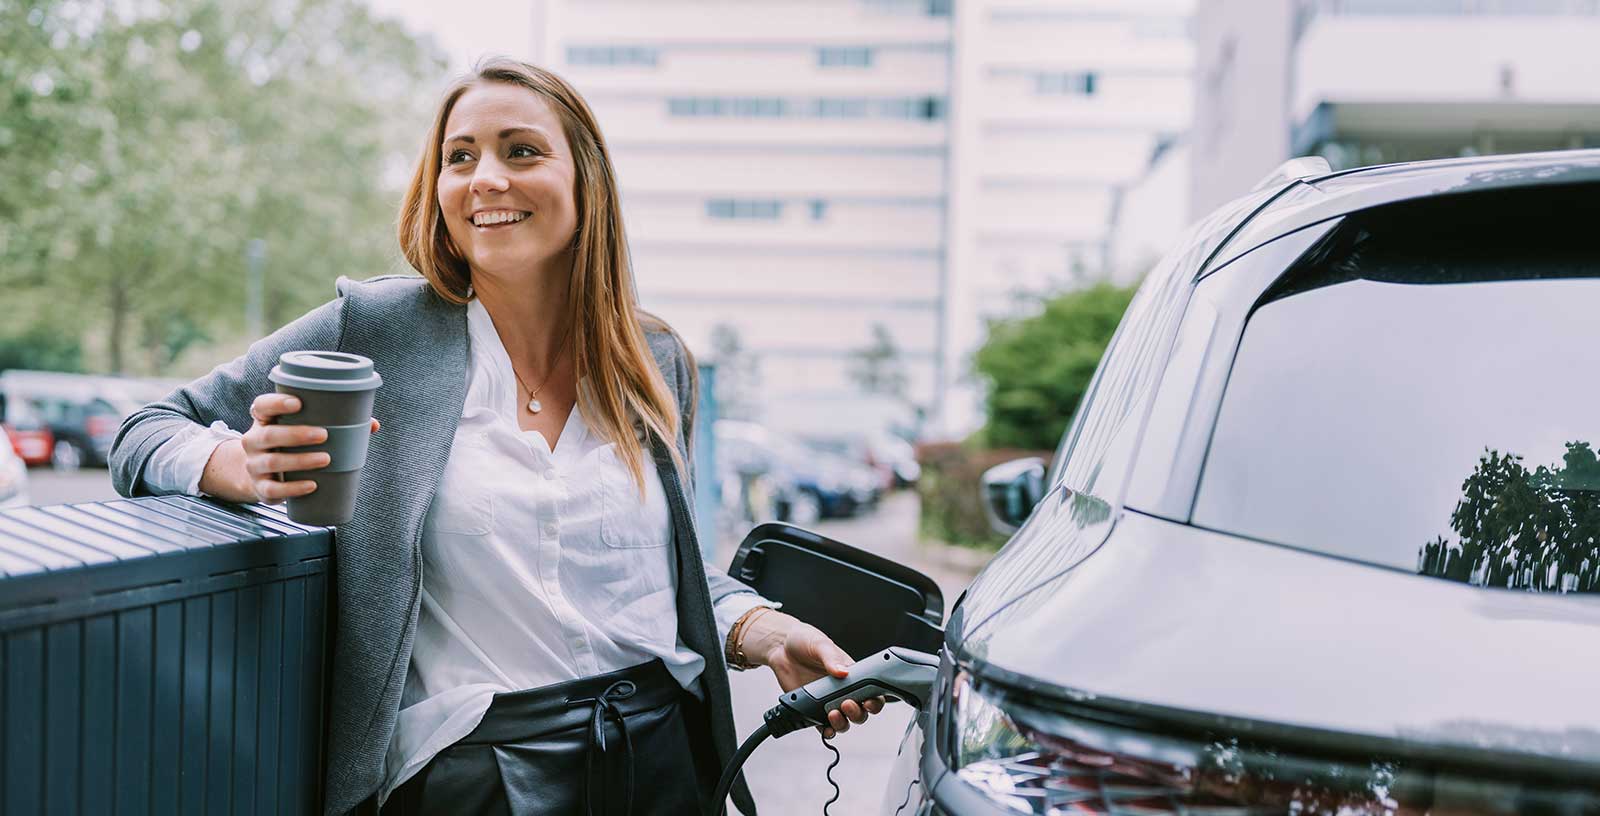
{"x":1447,"y":429}
{"x":1526,"y":529}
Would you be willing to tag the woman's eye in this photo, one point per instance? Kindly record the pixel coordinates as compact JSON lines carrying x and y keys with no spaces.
{"x":524,"y":152}
{"x":457,"y":157}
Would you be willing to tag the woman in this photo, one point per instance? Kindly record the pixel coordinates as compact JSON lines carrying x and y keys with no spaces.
{"x":524,"y":621}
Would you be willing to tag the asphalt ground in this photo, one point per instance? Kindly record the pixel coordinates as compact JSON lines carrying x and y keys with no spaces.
{"x":787,"y":776}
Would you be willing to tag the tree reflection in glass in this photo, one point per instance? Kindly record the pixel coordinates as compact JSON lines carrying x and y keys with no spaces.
{"x":1535,"y":530}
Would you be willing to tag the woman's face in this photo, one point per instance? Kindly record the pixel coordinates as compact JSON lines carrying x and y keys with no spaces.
{"x":506,"y":182}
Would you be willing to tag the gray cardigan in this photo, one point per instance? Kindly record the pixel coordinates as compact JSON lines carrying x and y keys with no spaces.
{"x":418,"y":342}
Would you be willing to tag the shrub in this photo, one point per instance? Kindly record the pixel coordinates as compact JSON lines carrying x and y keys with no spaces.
{"x":1038,"y":368}
{"x":952,"y":506}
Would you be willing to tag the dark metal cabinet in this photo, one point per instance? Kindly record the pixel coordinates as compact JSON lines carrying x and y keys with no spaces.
{"x":161,"y":655}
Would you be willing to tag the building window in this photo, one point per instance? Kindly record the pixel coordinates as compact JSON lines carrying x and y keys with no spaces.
{"x":927,"y":107}
{"x":1080,"y":83}
{"x":844,"y":57}
{"x":758,"y":106}
{"x":741,"y":208}
{"x":819,"y":209}
{"x":604,"y":55}
{"x":939,"y":8}
{"x":840,"y":108}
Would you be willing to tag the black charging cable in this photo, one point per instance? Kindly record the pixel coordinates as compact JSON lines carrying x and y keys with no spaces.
{"x":893,"y":674}
{"x":779,"y":721}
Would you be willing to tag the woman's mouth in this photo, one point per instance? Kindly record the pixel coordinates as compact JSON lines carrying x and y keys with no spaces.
{"x":495,"y":219}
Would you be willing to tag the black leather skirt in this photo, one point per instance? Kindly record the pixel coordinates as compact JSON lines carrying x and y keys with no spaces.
{"x":627,"y":743}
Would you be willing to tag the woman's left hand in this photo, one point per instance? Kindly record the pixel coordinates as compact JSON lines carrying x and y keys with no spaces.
{"x":798,"y":653}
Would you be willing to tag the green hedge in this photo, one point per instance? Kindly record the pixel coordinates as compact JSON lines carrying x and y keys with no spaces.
{"x":952,"y":506}
{"x":1037,"y":368}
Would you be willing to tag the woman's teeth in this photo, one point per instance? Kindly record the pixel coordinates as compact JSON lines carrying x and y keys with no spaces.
{"x":486,"y":219}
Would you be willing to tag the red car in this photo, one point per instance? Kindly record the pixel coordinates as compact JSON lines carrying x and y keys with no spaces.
{"x":30,"y":436}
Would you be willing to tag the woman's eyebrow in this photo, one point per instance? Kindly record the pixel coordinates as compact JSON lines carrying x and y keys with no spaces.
{"x":510,"y":131}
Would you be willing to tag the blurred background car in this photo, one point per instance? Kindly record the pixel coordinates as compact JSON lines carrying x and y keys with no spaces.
{"x":80,"y":412}
{"x":768,"y":475}
{"x":30,"y":438}
{"x":13,"y":479}
{"x":892,"y":458}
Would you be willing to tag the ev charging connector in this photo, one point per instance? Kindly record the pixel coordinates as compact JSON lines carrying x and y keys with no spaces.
{"x":893,"y":674}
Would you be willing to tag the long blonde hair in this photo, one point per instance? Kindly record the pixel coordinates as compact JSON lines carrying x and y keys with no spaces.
{"x":608,"y":341}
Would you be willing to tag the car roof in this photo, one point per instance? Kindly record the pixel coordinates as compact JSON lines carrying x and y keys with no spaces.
{"x":1302,"y":202}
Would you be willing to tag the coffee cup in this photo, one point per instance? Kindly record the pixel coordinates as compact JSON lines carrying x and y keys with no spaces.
{"x":335,"y":390}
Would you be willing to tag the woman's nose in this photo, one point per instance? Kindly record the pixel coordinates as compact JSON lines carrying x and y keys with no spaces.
{"x":489,"y":178}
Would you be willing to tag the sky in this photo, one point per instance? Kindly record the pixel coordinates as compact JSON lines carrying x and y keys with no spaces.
{"x":467,"y":29}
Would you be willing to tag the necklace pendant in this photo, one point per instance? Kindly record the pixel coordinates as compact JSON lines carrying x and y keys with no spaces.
{"x":534,"y":406}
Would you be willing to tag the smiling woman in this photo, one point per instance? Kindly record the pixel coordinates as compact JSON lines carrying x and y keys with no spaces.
{"x":523,"y":610}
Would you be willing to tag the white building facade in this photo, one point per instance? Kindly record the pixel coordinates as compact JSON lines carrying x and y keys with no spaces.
{"x":813,"y":174}
{"x":1365,"y":82}
{"x":783,"y":169}
{"x":1062,"y":108}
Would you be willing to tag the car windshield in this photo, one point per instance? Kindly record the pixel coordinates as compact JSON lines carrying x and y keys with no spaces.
{"x":1449,"y":429}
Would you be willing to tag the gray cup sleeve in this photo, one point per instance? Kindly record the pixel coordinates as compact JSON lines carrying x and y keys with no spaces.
{"x":346,"y":446}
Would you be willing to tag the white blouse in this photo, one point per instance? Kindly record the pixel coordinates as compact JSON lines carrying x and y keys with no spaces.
{"x":539,"y":565}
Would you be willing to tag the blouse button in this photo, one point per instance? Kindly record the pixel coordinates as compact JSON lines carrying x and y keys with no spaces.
{"x":550,"y":529}
{"x":550,"y":474}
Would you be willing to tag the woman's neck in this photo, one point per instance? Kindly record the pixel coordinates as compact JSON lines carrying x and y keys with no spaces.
{"x":531,"y":320}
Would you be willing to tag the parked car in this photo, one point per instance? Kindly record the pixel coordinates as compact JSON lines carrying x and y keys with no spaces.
{"x":30,"y":438}
{"x":801,"y":484}
{"x":1321,"y":536}
{"x":82,"y":411}
{"x":13,"y":479}
{"x":892,"y":458}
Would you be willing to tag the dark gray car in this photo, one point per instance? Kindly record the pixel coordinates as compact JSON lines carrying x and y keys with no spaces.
{"x":1322,"y":537}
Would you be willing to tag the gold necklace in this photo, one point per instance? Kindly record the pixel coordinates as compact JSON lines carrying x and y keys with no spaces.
{"x":534,"y":405}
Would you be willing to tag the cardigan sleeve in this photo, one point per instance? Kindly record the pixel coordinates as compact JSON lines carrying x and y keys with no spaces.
{"x":224,"y":395}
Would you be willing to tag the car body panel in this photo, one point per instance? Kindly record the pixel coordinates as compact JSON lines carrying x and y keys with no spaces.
{"x":13,"y":478}
{"x":1269,"y":634}
{"x":1311,"y":201}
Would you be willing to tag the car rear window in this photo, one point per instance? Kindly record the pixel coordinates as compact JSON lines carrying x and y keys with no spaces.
{"x":1426,"y":396}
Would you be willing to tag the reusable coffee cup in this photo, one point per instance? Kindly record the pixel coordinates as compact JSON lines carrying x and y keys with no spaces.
{"x":335,"y":391}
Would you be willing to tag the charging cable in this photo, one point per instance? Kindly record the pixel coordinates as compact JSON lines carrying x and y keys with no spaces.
{"x":893,"y":674}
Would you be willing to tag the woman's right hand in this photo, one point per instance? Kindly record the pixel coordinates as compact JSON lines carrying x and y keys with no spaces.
{"x":247,"y":469}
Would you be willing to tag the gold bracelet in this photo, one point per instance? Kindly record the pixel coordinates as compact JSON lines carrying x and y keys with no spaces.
{"x":733,"y":650}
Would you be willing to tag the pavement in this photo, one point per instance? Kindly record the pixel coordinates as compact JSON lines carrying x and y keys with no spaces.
{"x":46,"y":486}
{"x":787,"y":776}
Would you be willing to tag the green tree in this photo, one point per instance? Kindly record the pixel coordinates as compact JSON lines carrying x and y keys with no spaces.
{"x":1037,"y":368}
{"x":878,"y":368}
{"x":1537,"y":530}
{"x":143,"y":146}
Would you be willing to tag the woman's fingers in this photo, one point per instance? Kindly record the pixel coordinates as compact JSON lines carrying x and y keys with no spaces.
{"x":853,"y":711}
{"x":266,"y":464}
{"x":267,"y":437}
{"x":268,"y":407}
{"x":838,"y":721}
{"x":875,"y":705}
{"x":273,"y":491}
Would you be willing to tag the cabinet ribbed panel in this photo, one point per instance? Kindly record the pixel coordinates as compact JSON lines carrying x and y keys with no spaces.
{"x":168,"y":661}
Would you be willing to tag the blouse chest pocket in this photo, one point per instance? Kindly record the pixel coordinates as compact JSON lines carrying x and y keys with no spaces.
{"x":463,"y":504}
{"x":628,"y":521}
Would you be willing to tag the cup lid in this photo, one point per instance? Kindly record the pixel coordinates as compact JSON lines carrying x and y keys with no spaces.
{"x":325,"y":370}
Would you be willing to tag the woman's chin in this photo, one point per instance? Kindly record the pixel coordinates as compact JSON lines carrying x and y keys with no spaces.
{"x":507,"y":266}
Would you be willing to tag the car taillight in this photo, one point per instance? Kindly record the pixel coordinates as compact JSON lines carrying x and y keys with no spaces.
{"x":101,"y":425}
{"x":1032,"y":761}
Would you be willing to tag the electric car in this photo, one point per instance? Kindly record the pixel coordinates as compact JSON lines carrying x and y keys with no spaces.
{"x":1322,"y":536}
